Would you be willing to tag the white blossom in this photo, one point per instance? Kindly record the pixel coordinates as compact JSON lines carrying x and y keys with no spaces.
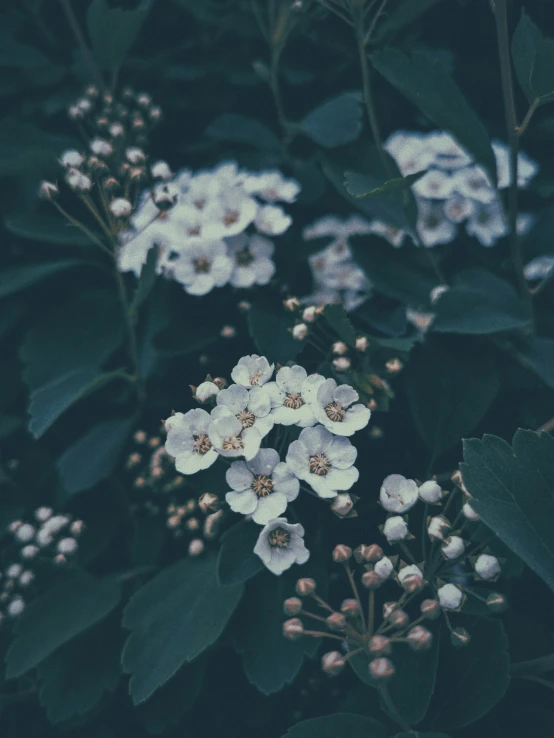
{"x":230,"y":438}
{"x":436,"y":185}
{"x":134,"y":155}
{"x":291,"y":394}
{"x":271,"y":186}
{"x":398,"y":494}
{"x":410,"y":151}
{"x":250,"y":407}
{"x":14,"y":571}
{"x":67,"y":546}
{"x":300,"y":331}
{"x":252,"y":262}
{"x":25,"y":533}
{"x":450,"y":596}
{"x":384,"y":568}
{"x":261,"y":487}
{"x":272,"y":220}
{"x":229,"y":214}
{"x":458,"y":208}
{"x":487,"y":223}
{"x":121,"y":207}
{"x":16,"y":607}
{"x":77,"y":180}
{"x":473,"y":182}
{"x":539,"y":268}
{"x":280,"y":545}
{"x":334,"y":408}
{"x":205,"y":390}
{"x":453,"y":547}
{"x":252,"y":371}
{"x":432,"y":226}
{"x":487,"y":567}
{"x":324,"y":461}
{"x":188,"y":441}
{"x":71,"y":158}
{"x":430,"y":492}
{"x":101,"y":147}
{"x":202,"y":266}
{"x":395,"y":529}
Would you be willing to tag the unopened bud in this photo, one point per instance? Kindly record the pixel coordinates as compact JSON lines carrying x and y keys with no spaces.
{"x":293,"y":629}
{"x":487,"y":567}
{"x":121,"y":207}
{"x":342,"y":504}
{"x":368,"y":554}
{"x":336,"y":622}
{"x":469,"y":513}
{"x":332,"y":663}
{"x":381,"y":669}
{"x":394,"y":614}
{"x":339,"y":348}
{"x":342,"y":363}
{"x":371,"y":580}
{"x":161,"y":170}
{"x":379,"y":645}
{"x":453,"y":547}
{"x":350,"y":607}
{"x":42,"y":514}
{"x":305,"y":587}
{"x":430,"y":609}
{"x":76,"y":528}
{"x":362,"y":343}
{"x":48,"y":190}
{"x":228,"y":331}
{"x":430,"y":492}
{"x":196,"y":547}
{"x":309,"y":314}
{"x":292,"y":606}
{"x":437,"y":527}
{"x":135,"y":155}
{"x":459,"y":637}
{"x":458,"y":481}
{"x":419,"y":638}
{"x":300,"y":331}
{"x":384,"y":568}
{"x":29,"y":552}
{"x":394,"y":366}
{"x":450,"y":597}
{"x":208,"y":502}
{"x":496,"y":602}
{"x":341,"y":554}
{"x":205,"y":391}
{"x":291,"y":304}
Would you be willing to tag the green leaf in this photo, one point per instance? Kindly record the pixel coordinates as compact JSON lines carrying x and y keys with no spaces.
{"x":146,"y":281}
{"x":173,"y":619}
{"x":25,"y":148}
{"x":479,"y":303}
{"x":400,"y":17}
{"x":74,"y":679}
{"x":18,"y":278}
{"x":418,"y":734}
{"x":236,"y":561}
{"x":511,"y":489}
{"x":539,"y":358}
{"x":30,"y":219}
{"x":269,"y":325}
{"x":429,"y":86}
{"x":51,"y":400}
{"x":449,"y":392}
{"x":113,"y":31}
{"x":242,"y":130}
{"x":93,"y":457}
{"x":167,"y":706}
{"x":360,"y":185}
{"x":58,"y":615}
{"x":533,"y":57}
{"x":339,"y":725}
{"x":338,"y":319}
{"x":335,"y":123}
{"x":475,"y":677}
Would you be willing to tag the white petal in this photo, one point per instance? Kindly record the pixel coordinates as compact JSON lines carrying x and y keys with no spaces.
{"x":264,"y":462}
{"x":244,"y":502}
{"x":238,"y":476}
{"x":317,"y":440}
{"x":285,"y":481}
{"x":269,"y":507}
{"x":342,"y":454}
{"x":345,"y":395}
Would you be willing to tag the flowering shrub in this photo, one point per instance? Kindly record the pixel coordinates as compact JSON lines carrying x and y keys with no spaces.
{"x":277,"y":369}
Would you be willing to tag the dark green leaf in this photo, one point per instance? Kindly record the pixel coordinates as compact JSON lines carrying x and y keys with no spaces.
{"x":400,"y":17}
{"x":339,"y":725}
{"x":429,"y":86}
{"x":18,"y":278}
{"x":479,"y":303}
{"x":269,"y":325}
{"x":539,"y":357}
{"x":336,"y":122}
{"x":33,"y":221}
{"x":360,"y":185}
{"x":418,"y":734}
{"x":236,"y":561}
{"x":449,"y":393}
{"x":24,"y":148}
{"x":533,"y":57}
{"x":242,"y":130}
{"x":93,"y":457}
{"x":511,"y":489}
{"x":339,"y":321}
{"x":173,"y":619}
{"x":58,"y":615}
{"x":474,"y":678}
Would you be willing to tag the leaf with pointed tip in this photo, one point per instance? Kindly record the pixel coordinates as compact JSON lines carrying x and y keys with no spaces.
{"x":19,"y":278}
{"x":236,"y":561}
{"x":359,"y":185}
{"x":334,"y":123}
{"x":339,"y":725}
{"x":339,"y":321}
{"x":533,"y":57}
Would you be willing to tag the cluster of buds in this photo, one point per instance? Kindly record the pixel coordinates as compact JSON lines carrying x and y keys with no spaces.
{"x":112,"y":168}
{"x":305,"y":318}
{"x":159,"y":490}
{"x":406,"y":589}
{"x":207,"y":391}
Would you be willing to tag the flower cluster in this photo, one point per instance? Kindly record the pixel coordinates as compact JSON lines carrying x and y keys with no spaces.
{"x":159,"y":491}
{"x":321,"y":455}
{"x":217,"y":233}
{"x":455,"y":190}
{"x":437,"y":584}
{"x":48,"y":538}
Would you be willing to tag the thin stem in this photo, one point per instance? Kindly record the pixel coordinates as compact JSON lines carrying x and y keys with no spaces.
{"x":391,"y":707}
{"x":371,"y":613}
{"x":322,"y":603}
{"x":532,"y":108}
{"x":79,"y":37}
{"x":533,"y":666}
{"x":546,"y":427}
{"x":131,"y":336}
{"x":319,"y":634}
{"x":356,"y":593}
{"x":536,"y":291}
{"x":275,"y":86}
{"x":81,"y":227}
{"x":373,"y":23}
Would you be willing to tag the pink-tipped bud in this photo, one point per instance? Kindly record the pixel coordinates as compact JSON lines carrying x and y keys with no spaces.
{"x":496,"y":602}
{"x":48,"y":190}
{"x":430,"y":609}
{"x":309,"y":314}
{"x":469,"y":513}
{"x":459,"y":637}
{"x":305,"y":587}
{"x":362,"y":343}
{"x":381,"y":669}
{"x":371,"y":580}
{"x":292,"y":606}
{"x":419,"y":638}
{"x":196,"y":547}
{"x":458,"y":481}
{"x":208,"y":502}
{"x":379,"y":645}
{"x":300,"y":331}
{"x":293,"y":629}
{"x":350,"y":607}
{"x":292,"y":304}
{"x":342,"y":363}
{"x":332,"y":663}
{"x":339,"y":348}
{"x":394,"y":614}
{"x":369,"y":554}
{"x":394,"y":366}
{"x":220,"y":382}
{"x":336,"y":621}
{"x":342,"y":554}
{"x":342,"y":505}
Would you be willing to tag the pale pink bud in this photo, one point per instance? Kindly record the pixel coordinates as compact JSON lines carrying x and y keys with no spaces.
{"x":293,"y":629}
{"x":419,"y":638}
{"x":292,"y":606}
{"x":341,"y":554}
{"x":332,"y":663}
{"x":381,"y":669}
{"x":305,"y":587}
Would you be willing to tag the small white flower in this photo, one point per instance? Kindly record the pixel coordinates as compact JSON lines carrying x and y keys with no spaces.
{"x":450,"y":596}
{"x":432,"y":225}
{"x":340,"y":348}
{"x":410,"y":151}
{"x":43,"y":513}
{"x":250,"y":407}
{"x":292,"y":393}
{"x":300,"y":331}
{"x":203,"y":266}
{"x":272,"y":220}
{"x":457,"y":208}
{"x":448,"y":154}
{"x":437,"y":527}
{"x":29,"y":552}
{"x":309,"y":314}
{"x":77,"y":180}
{"x":161,"y":170}
{"x":324,"y":461}
{"x":398,"y":494}
{"x":261,"y":487}
{"x":395,"y":529}
{"x":362,"y":343}
{"x":412,"y":572}
{"x":280,"y":545}
{"x":539,"y":268}
{"x":252,"y":371}
{"x":71,"y":158}
{"x":333,"y":407}
{"x":527,"y":168}
{"x":205,"y":390}
{"x":14,"y":571}
{"x":395,"y":236}
{"x":188,"y":441}
{"x":430,"y":492}
{"x":67,"y":546}
{"x":121,"y":207}
{"x":488,"y":223}
{"x":384,"y":568}
{"x":50,"y":528}
{"x":134,"y":155}
{"x":16,"y":607}
{"x":230,"y":438}
{"x":26,"y":578}
{"x":453,"y":547}
{"x":473,"y":182}
{"x":271,"y":186}
{"x":435,"y":185}
{"x":48,"y":190}
{"x":487,"y":567}
{"x":342,"y":504}
{"x":252,"y":262}
{"x":342,"y":363}
{"x":25,"y":533}
{"x":101,"y":147}
{"x":116,"y":130}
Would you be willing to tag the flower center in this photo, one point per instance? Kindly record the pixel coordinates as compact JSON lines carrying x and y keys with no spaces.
{"x":320,"y":465}
{"x":230,"y":218}
{"x":335,"y":412}
{"x":293,"y":400}
{"x":432,"y":221}
{"x":483,"y":218}
{"x":279,"y":538}
{"x":246,"y":418}
{"x":262,"y":485}
{"x":244,"y":257}
{"x":202,"y":444}
{"x":199,"y":204}
{"x":232,"y":444}
{"x":255,"y":378}
{"x":194,"y":230}
{"x":202,"y":265}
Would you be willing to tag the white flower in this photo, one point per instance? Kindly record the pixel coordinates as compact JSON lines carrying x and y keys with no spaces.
{"x":71,"y":158}
{"x":395,"y":236}
{"x":384,"y":568}
{"x":412,"y":571}
{"x":161,"y":170}
{"x":300,"y":331}
{"x":395,"y":529}
{"x":271,"y":186}
{"x":291,"y":394}
{"x":230,"y":214}
{"x":29,"y":552}
{"x":333,"y":407}
{"x":77,"y":180}
{"x":251,"y":256}
{"x":261,"y":487}
{"x":14,"y":571}
{"x":250,"y":407}
{"x":134,"y":154}
{"x":280,"y":545}
{"x":50,"y":528}
{"x":457,"y":208}
{"x":342,"y":504}
{"x":435,"y":185}
{"x":527,"y":168}
{"x":430,"y":492}
{"x":324,"y":461}
{"x":398,"y":494}
{"x":453,"y":547}
{"x":25,"y":533}
{"x":188,"y":441}
{"x":432,"y":225}
{"x":101,"y":147}
{"x":539,"y":268}
{"x":202,"y":266}
{"x":230,"y":438}
{"x":450,"y":596}
{"x":120,"y":207}
{"x":272,"y":220}
{"x":487,"y":223}
{"x":205,"y":390}
{"x":473,"y":182}
{"x":252,"y":371}
{"x":448,"y":154}
{"x":67,"y":546}
{"x":487,"y":567}
{"x":469,"y":513}
{"x":410,"y":151}
{"x":16,"y":607}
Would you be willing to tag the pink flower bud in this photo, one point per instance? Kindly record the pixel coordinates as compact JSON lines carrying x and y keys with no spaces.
{"x":305,"y":587}
{"x":293,"y":629}
{"x":332,"y":663}
{"x":292,"y":606}
{"x":341,"y":554}
{"x":381,"y":669}
{"x":419,"y":638}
